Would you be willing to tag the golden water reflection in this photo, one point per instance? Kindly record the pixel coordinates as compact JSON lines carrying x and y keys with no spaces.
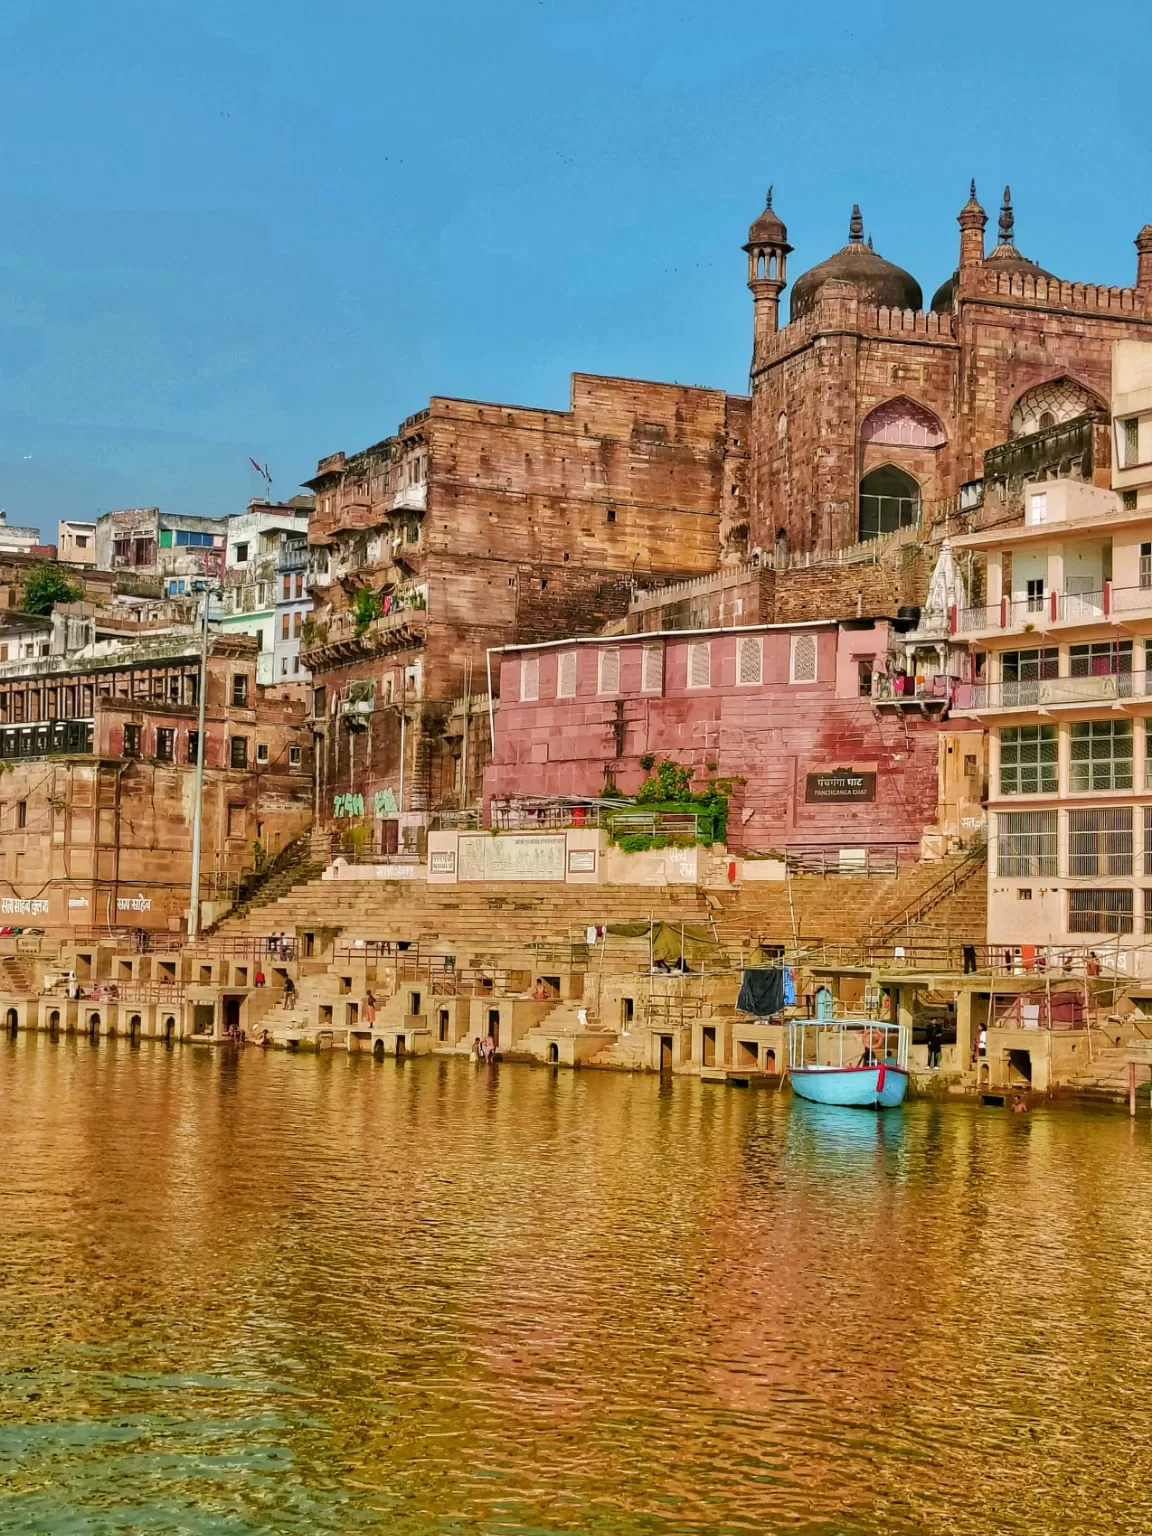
{"x":266,"y":1293}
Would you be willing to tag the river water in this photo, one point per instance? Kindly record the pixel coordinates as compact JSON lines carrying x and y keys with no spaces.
{"x":267,"y":1293}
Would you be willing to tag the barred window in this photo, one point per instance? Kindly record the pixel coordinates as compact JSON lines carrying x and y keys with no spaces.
{"x":1030,"y":665}
{"x":566,"y":675}
{"x":803,"y":658}
{"x":1026,"y":843}
{"x":1101,"y":754}
{"x":1100,"y":842}
{"x":530,"y":677}
{"x":1028,"y":760}
{"x":1148,"y":841}
{"x":1105,"y":658}
{"x":1147,"y":911}
{"x":653,"y":671}
{"x":699,"y":664}
{"x":1100,"y":911}
{"x":749,"y":660}
{"x":608,"y":678}
{"x":1145,"y":561}
{"x":1131,"y":441}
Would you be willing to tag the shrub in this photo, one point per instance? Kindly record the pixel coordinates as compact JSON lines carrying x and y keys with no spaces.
{"x":48,"y":585}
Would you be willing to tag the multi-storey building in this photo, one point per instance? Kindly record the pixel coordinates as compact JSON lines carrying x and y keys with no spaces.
{"x":143,"y":541}
{"x":99,"y":739}
{"x":1063,"y":648}
{"x":76,"y":542}
{"x":479,"y":524}
{"x":264,"y":592}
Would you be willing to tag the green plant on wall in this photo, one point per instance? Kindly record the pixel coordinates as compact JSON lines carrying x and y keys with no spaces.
{"x":47,"y":585}
{"x":366,"y":606}
{"x":669,"y":789}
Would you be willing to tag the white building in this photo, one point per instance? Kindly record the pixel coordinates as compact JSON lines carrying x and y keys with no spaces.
{"x":265,"y":591}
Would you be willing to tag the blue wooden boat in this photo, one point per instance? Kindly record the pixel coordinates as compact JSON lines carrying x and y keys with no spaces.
{"x":857,"y":1063}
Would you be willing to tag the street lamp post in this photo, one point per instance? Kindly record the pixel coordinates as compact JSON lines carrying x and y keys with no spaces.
{"x":198,"y":793}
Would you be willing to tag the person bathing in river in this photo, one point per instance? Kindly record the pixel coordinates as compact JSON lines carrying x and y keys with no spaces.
{"x":477,"y":1049}
{"x":1018,"y":1105}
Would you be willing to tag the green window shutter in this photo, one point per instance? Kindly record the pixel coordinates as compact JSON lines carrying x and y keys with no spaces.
{"x":165,"y":538}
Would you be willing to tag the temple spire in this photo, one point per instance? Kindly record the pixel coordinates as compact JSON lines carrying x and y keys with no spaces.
{"x":856,"y":227}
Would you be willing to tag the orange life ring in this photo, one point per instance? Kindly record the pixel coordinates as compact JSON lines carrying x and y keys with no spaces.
{"x":873,"y":1038}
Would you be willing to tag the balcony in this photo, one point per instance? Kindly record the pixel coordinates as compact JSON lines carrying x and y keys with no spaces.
{"x":412,"y":498}
{"x":902,"y":692}
{"x":1070,"y":448}
{"x":1052,"y":610}
{"x":1044,"y":694}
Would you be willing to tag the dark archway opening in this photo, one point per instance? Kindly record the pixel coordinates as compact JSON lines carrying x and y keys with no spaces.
{"x":889,"y":499}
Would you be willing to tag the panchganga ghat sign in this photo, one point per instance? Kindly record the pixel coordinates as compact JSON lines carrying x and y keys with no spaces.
{"x":839,"y":785}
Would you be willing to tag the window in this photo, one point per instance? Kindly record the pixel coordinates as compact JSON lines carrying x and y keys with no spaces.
{"x":1035,"y":598}
{"x":1099,"y":911}
{"x":295,"y":755}
{"x":320,"y":703}
{"x":131,"y":741}
{"x":261,"y":751}
{"x":1101,"y":754}
{"x":864,"y":678}
{"x":1131,"y":429}
{"x":1100,"y":842}
{"x":283,"y":666}
{"x":297,"y":625}
{"x":1130,"y":500}
{"x":299,"y":583}
{"x":193,"y":746}
{"x":240,"y":690}
{"x":611,"y":514}
{"x":1146,"y":566}
{"x":21,"y":813}
{"x":236,"y":821}
{"x":190,"y":540}
{"x":1104,"y":658}
{"x":285,"y":622}
{"x":81,"y":541}
{"x":238,"y":752}
{"x":530,"y":677}
{"x":699,"y":664}
{"x":1038,"y":507}
{"x":749,"y":661}
{"x":889,"y":499}
{"x":566,"y":675}
{"x":803,"y":659}
{"x":1026,"y":843}
{"x":241,"y":554}
{"x":652,"y":669}
{"x":295,"y":664}
{"x":286,"y":589}
{"x":1024,"y":893}
{"x":608,"y":671}
{"x":165,"y":744}
{"x":1028,"y":760}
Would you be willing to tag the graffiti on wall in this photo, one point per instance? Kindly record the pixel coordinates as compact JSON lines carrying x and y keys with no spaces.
{"x":384,"y":803}
{"x":347,"y":805}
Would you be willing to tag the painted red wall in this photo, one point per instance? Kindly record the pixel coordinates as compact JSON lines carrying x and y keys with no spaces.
{"x":772,"y":735}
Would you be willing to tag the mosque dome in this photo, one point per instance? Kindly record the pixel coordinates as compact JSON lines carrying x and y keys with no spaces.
{"x":879,"y":281}
{"x":1005,"y":258}
{"x":768,"y":229}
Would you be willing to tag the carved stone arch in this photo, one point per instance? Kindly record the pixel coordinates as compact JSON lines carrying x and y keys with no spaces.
{"x":1050,"y":404}
{"x":903,"y":423}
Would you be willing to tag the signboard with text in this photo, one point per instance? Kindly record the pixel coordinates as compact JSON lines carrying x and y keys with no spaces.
{"x":839,"y":785}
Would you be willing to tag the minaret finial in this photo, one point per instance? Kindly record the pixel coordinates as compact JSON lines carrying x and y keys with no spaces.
{"x":972,"y":189}
{"x":1007,"y":219}
{"x":768,"y":199}
{"x":856,"y":226}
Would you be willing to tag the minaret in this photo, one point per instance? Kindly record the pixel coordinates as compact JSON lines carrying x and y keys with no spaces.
{"x":1144,"y":260}
{"x":972,"y":220}
{"x":767,"y":265}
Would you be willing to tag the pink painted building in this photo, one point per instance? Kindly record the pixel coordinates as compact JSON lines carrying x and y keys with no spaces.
{"x":799,"y":712}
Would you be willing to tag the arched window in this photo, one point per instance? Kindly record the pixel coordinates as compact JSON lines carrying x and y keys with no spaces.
{"x":889,"y":499}
{"x":901,"y":423}
{"x":782,"y":425}
{"x":1050,"y":404}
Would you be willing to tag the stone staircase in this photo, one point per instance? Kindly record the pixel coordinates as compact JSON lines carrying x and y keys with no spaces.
{"x":292,"y":867}
{"x":16,"y":977}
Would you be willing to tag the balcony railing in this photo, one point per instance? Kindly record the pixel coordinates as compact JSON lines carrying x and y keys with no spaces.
{"x":1042,"y":611}
{"x":1043,"y":693}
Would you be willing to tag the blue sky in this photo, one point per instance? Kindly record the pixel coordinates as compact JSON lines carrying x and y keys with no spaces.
{"x":274,"y":227}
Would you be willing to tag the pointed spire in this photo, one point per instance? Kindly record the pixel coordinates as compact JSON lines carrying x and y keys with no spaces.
{"x":972,"y":190}
{"x":869,"y":242}
{"x":768,"y":199}
{"x":856,"y":227}
{"x":1007,"y":219}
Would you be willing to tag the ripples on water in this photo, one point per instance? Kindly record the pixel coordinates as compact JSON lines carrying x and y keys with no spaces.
{"x":286,"y":1294}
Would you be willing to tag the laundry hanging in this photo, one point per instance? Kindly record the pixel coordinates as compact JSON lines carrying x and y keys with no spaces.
{"x":761,"y":992}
